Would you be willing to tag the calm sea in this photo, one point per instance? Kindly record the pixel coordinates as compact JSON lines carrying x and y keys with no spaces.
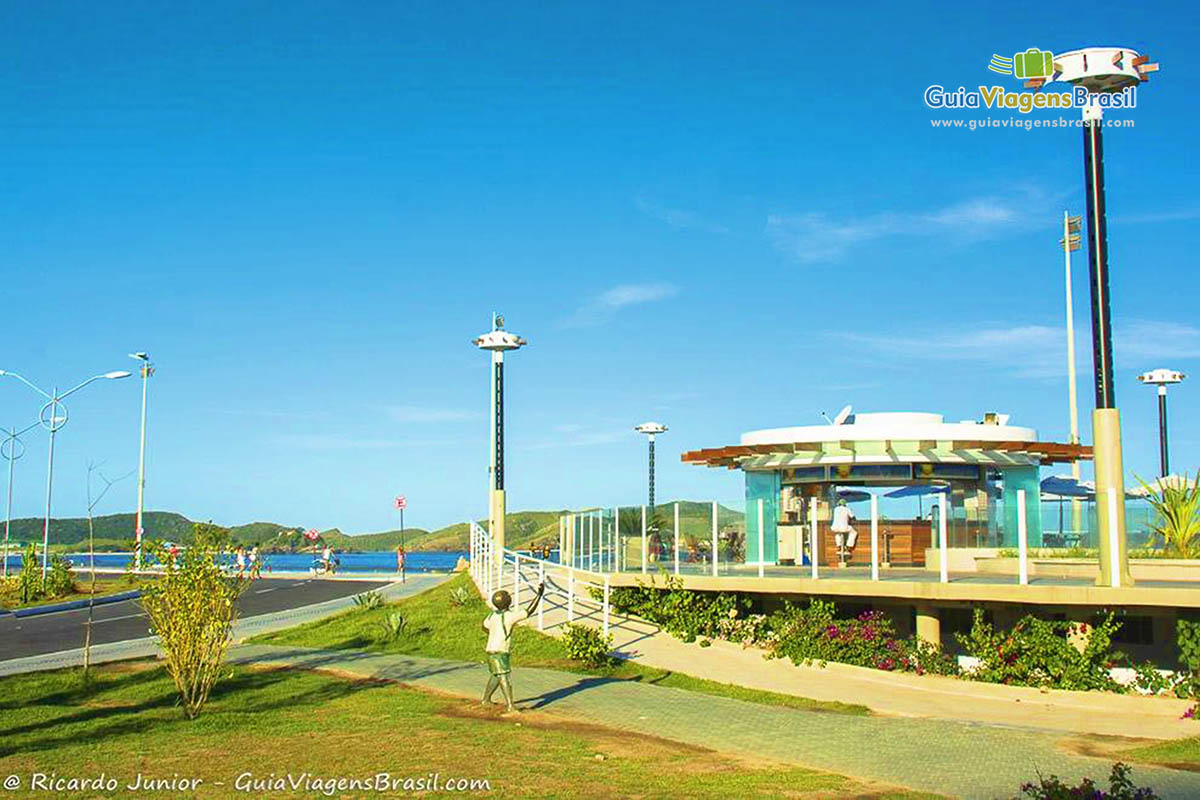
{"x":424,"y":561}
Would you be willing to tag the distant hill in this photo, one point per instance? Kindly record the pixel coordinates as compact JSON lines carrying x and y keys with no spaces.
{"x":522,"y":528}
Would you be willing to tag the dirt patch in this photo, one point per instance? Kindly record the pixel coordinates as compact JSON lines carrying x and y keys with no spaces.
{"x":1108,"y":747}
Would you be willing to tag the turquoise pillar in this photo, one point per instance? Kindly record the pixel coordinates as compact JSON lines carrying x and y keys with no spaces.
{"x":763,"y":486}
{"x":1022,"y":478}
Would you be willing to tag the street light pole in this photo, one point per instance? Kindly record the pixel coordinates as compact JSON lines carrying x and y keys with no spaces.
{"x":1102,"y":71}
{"x":1160,"y":378}
{"x":147,"y":369}
{"x":53,"y":423}
{"x":11,"y":441}
{"x":651,"y":430}
{"x":497,"y":340}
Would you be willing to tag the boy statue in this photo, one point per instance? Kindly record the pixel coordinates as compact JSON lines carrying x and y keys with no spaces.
{"x":499,"y":627}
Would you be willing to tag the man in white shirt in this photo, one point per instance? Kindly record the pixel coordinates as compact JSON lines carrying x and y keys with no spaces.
{"x":499,"y":627}
{"x":844,"y":535}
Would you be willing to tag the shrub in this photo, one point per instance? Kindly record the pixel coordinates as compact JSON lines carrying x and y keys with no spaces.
{"x":461,"y":596}
{"x":392,"y":626}
{"x":588,"y":646}
{"x":29,"y":584}
{"x":369,"y":600}
{"x":192,"y":608}
{"x":1120,"y":787}
{"x":1177,"y":504}
{"x":685,"y":614}
{"x":1039,"y":653}
{"x":808,"y":634}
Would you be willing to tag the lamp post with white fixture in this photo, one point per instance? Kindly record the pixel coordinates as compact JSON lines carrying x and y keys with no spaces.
{"x":53,"y":416}
{"x":1160,"y":378}
{"x":497,"y":340}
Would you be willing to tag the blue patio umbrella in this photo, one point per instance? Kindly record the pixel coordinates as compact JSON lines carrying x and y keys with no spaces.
{"x":853,"y":495}
{"x":1062,"y":486}
{"x":918,"y":490}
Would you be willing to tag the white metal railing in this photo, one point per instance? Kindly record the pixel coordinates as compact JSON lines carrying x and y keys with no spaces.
{"x":517,"y":571}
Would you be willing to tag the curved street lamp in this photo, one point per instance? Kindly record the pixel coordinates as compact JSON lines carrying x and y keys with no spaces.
{"x":53,"y":416}
{"x":8,"y":449}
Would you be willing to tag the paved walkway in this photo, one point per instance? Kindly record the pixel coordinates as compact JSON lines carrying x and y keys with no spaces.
{"x":244,"y":628}
{"x":951,"y":758}
{"x":900,"y":694}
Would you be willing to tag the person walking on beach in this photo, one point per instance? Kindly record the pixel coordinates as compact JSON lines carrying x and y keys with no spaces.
{"x":239,"y":559}
{"x":400,"y":562}
{"x":499,"y":627}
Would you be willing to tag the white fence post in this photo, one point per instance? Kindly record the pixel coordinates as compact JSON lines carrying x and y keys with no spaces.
{"x":570,"y":595}
{"x":874,"y":538}
{"x":677,"y":538}
{"x":644,"y":545}
{"x":606,"y":590}
{"x":814,"y":556}
{"x":562,"y":539}
{"x":1022,"y":541}
{"x":1114,"y":558}
{"x":542,"y":583}
{"x":762,"y":556}
{"x":943,"y":536}
{"x":516,"y":579}
{"x":614,"y":558}
{"x":714,"y":540}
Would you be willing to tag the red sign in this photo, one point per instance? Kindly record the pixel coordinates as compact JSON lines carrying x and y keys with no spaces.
{"x":312,"y":535}
{"x":401,"y":501}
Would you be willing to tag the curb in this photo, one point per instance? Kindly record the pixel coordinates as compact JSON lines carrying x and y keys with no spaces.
{"x":71,"y":605}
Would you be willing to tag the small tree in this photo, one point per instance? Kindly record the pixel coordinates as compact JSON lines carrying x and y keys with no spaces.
{"x":192,"y":607}
{"x":1177,"y":504}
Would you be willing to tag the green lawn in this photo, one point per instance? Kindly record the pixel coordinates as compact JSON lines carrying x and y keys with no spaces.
{"x":10,"y":599}
{"x":285,"y":722}
{"x":437,"y":627}
{"x":1179,"y":753}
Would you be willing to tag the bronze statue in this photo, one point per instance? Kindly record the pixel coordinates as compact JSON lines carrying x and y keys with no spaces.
{"x":499,"y":627}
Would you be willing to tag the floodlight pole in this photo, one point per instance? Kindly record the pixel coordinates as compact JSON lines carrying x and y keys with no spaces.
{"x":1070,"y":242}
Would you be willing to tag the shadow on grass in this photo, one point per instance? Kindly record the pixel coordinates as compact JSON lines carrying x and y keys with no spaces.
{"x":231,"y":700}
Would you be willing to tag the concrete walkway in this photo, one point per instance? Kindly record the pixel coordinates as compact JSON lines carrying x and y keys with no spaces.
{"x":244,"y":628}
{"x":891,"y":693}
{"x":950,"y":758}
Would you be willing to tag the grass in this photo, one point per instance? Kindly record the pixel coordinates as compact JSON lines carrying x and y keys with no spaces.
{"x":275,"y":723}
{"x":10,"y":598}
{"x":438,"y":628}
{"x":1177,"y":753}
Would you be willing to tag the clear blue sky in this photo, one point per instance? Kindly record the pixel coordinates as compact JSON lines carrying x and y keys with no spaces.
{"x":724,"y":216}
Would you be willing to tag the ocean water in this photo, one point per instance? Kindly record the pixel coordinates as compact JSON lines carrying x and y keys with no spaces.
{"x":385,"y":561}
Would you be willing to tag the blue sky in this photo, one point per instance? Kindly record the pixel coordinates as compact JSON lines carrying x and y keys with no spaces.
{"x":723,"y":216}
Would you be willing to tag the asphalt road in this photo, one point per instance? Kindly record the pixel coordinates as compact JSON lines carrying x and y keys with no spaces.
{"x":116,"y":622}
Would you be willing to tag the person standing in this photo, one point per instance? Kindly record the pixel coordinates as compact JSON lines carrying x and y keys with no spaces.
{"x":400,"y":563}
{"x":252,"y":560}
{"x":239,"y":559}
{"x":499,"y":626}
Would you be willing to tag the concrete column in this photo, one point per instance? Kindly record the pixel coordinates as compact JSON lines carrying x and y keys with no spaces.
{"x":1106,"y":438}
{"x":929,"y":624}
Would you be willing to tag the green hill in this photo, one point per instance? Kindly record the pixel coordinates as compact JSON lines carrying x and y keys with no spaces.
{"x":523,"y":529}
